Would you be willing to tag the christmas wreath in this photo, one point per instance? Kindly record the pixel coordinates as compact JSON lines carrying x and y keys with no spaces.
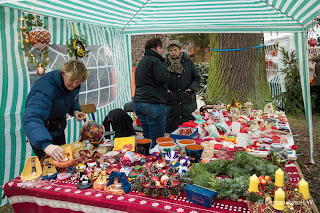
{"x":158,"y":182}
{"x":77,"y":45}
{"x":35,"y":36}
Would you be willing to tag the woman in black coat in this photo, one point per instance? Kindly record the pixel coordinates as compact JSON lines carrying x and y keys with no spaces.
{"x":182,"y":86}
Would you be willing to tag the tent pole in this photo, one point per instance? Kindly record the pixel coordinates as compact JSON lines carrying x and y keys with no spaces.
{"x":302,"y":55}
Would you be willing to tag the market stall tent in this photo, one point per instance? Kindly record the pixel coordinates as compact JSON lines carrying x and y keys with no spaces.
{"x":110,"y":24}
{"x":274,"y":41}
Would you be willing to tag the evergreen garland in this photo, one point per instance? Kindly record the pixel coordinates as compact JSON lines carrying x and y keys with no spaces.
{"x":240,"y":170}
{"x":292,"y":98}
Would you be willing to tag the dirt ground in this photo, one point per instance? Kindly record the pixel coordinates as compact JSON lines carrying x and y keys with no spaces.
{"x":310,"y":171}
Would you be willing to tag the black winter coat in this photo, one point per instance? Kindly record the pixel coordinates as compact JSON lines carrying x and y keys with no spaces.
{"x":181,"y":103}
{"x":151,"y":78}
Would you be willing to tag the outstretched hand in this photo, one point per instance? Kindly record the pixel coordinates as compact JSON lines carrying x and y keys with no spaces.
{"x":56,"y":152}
{"x":79,"y":115}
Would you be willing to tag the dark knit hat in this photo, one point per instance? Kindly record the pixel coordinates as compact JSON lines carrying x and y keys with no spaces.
{"x":176,"y":43}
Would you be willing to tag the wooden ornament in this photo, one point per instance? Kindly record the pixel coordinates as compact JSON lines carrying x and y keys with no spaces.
{"x":49,"y":171}
{"x":32,"y":170}
{"x":69,"y":160}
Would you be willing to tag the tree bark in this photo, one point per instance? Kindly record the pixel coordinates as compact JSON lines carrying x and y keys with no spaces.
{"x":240,"y":74}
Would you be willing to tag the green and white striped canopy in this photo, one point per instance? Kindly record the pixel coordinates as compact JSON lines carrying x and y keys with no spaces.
{"x":178,"y":16}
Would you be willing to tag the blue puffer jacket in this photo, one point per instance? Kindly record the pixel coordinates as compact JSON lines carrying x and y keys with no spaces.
{"x":47,"y":100}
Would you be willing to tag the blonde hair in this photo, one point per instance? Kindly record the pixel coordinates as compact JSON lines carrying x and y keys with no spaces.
{"x":75,"y":70}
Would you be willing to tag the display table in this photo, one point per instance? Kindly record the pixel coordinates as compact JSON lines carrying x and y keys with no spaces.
{"x":55,"y":196}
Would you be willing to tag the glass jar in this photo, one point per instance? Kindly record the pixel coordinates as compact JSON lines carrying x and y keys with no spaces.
{"x":278,"y":155}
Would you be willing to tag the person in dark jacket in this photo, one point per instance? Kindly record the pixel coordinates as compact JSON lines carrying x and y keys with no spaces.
{"x":150,"y":95}
{"x":50,"y":99}
{"x":182,"y":86}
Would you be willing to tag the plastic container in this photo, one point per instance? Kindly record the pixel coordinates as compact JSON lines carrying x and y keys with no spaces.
{"x":176,"y":136}
{"x":278,"y":155}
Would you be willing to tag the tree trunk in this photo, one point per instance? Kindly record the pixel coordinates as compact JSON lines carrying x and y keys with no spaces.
{"x":240,"y":74}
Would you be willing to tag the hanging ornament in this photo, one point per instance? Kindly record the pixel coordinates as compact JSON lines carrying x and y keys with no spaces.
{"x":35,"y":35}
{"x":40,"y":37}
{"x":40,"y":71}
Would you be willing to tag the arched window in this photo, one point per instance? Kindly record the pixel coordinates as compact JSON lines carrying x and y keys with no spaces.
{"x":101,"y":86}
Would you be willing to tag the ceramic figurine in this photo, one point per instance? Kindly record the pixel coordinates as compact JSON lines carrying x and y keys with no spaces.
{"x":84,"y":182}
{"x":80,"y":169}
{"x":90,"y":166}
{"x":268,"y":108}
{"x":198,"y":117}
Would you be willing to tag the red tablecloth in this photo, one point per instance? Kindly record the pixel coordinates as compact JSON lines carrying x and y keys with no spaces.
{"x":55,"y":196}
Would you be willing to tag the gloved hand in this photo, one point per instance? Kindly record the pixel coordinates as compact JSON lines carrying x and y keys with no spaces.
{"x":79,"y":115}
{"x":55,"y":151}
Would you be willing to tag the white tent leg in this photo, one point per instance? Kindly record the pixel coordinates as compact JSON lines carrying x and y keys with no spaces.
{"x":302,"y":55}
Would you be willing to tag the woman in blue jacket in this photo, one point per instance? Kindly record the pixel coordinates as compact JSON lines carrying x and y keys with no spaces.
{"x":50,"y":99}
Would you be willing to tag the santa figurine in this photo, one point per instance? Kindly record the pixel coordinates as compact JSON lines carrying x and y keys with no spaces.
{"x":90,"y":166}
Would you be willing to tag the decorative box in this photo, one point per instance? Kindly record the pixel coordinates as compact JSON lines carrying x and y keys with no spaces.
{"x":175,"y":134}
{"x":199,"y":195}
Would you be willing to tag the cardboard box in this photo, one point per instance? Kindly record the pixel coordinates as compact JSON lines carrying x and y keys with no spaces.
{"x":199,"y":195}
{"x":175,"y":134}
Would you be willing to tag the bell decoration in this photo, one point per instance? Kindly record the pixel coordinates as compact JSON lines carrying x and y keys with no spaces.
{"x":40,"y":37}
{"x":40,"y":71}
